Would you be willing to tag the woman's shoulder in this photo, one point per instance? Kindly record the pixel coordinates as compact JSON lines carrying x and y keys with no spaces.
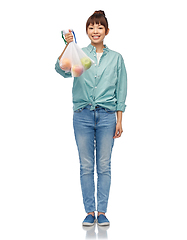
{"x":117,"y":57}
{"x":117,"y":54}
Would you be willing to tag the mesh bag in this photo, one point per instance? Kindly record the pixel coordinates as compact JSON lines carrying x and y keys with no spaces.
{"x":73,"y":59}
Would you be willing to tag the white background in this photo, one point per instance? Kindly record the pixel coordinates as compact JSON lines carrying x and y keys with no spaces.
{"x":39,"y":169}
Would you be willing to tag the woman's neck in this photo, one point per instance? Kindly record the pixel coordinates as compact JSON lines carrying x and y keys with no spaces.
{"x":99,"y":47}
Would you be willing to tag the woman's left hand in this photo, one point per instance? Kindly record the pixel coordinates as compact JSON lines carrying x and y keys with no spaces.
{"x":119,"y":130}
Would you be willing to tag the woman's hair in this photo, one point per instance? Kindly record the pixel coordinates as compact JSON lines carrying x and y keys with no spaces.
{"x":99,"y":18}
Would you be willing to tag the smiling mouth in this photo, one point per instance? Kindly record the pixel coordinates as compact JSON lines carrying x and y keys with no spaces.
{"x":95,"y":37}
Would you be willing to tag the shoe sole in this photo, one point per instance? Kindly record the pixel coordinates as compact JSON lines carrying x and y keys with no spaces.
{"x":86,"y":224}
{"x":103,"y":224}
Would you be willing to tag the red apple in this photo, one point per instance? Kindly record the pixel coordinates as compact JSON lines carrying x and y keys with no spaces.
{"x":77,"y":70}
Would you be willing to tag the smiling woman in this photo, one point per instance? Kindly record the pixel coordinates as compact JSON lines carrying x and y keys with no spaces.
{"x":97,"y":29}
{"x":96,"y":34}
{"x":97,"y":94}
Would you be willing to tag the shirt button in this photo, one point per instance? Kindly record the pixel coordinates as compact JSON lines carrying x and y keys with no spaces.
{"x":95,"y":87}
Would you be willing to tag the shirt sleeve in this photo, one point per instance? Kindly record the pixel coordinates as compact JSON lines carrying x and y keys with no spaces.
{"x":61,"y":72}
{"x":121,"y":87}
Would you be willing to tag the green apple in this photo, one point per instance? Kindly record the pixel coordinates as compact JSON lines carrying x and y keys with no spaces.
{"x":86,"y":62}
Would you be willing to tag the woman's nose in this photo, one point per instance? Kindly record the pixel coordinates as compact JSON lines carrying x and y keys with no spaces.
{"x":95,"y":30}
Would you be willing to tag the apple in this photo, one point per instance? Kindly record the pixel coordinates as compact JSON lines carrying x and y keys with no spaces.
{"x":77,"y":70}
{"x":86,"y":62}
{"x":65,"y":64}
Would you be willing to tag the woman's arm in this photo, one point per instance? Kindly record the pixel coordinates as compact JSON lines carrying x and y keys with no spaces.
{"x":121,"y":87}
{"x":69,"y":38}
{"x":121,"y":93}
{"x":63,"y":51}
{"x":119,"y":128}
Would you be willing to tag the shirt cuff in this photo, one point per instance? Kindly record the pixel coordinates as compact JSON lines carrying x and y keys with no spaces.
{"x":121,"y":107}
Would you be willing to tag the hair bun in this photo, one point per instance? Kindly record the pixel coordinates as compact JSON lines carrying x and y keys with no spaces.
{"x":100,"y":12}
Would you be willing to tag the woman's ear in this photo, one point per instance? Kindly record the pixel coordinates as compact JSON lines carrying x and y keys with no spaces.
{"x":107,"y":32}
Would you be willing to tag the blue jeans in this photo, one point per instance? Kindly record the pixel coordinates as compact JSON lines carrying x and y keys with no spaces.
{"x":94,"y":131}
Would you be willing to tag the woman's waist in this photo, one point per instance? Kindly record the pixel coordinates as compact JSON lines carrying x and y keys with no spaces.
{"x":96,"y":108}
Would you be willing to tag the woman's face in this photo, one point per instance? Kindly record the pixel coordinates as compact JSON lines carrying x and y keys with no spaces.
{"x":96,"y":33}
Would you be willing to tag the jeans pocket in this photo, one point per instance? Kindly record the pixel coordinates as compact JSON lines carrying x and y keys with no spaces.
{"x":78,"y":110}
{"x":109,"y":111}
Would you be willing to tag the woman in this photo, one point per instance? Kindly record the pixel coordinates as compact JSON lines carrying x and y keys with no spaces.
{"x":97,"y":94}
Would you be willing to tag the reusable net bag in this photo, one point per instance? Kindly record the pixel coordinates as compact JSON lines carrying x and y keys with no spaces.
{"x":73,"y":58}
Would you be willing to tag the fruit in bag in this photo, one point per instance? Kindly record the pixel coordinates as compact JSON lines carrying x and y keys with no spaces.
{"x":73,"y":59}
{"x":86,"y":62}
{"x":65,"y":64}
{"x":77,"y":70}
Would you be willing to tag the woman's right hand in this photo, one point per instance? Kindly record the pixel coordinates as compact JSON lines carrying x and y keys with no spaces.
{"x":69,"y":37}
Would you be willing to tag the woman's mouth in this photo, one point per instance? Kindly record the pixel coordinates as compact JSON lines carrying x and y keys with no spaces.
{"x":95,"y":37}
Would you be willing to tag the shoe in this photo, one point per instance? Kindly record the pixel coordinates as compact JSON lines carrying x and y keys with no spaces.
{"x":102,"y":220}
{"x":89,"y":220}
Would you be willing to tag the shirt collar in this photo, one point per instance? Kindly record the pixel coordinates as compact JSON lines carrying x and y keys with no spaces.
{"x":92,"y":48}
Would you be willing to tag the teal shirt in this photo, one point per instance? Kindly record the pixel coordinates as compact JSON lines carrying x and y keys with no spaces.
{"x":104,"y":84}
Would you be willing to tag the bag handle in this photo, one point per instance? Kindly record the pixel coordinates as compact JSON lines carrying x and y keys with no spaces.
{"x":67,"y":31}
{"x":74,"y":36}
{"x":64,"y":38}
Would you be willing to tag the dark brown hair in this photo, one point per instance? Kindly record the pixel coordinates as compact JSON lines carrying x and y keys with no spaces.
{"x":99,"y":18}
